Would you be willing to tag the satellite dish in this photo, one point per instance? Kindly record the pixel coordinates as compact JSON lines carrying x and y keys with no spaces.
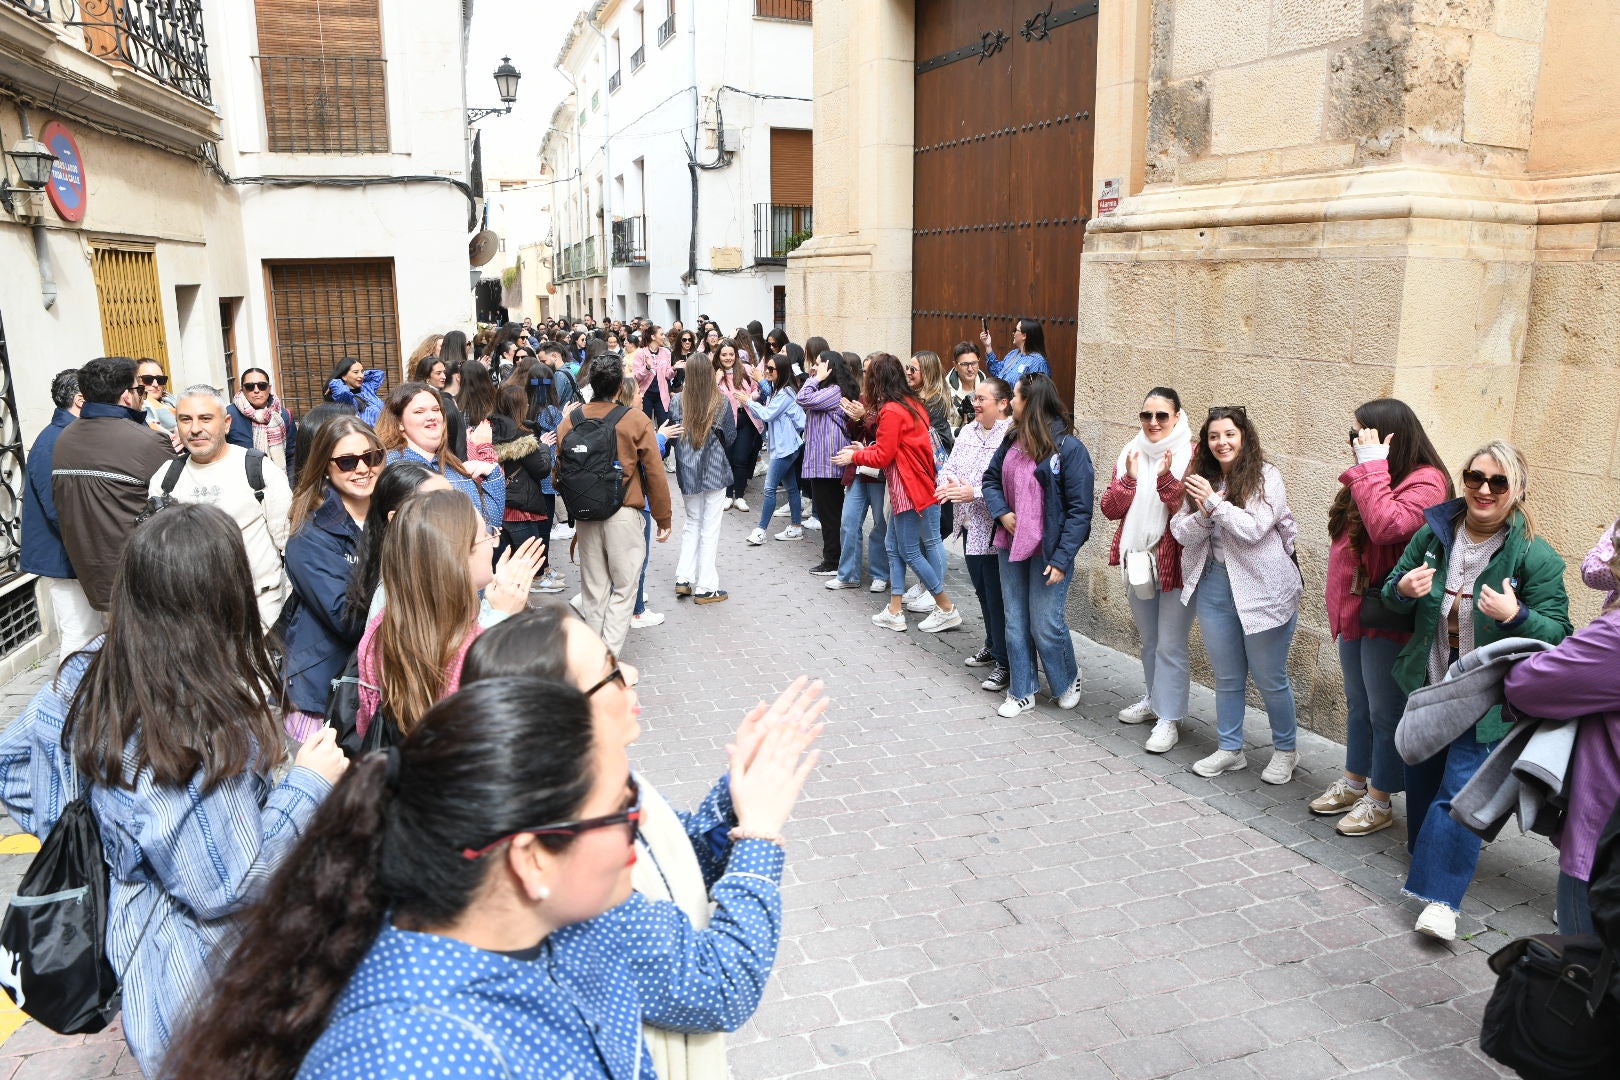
{"x":482,"y":248}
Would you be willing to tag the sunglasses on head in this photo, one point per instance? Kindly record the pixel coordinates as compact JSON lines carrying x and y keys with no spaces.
{"x":347,"y":463}
{"x":1154,"y":417}
{"x":1473,"y":480}
{"x":255,"y":387}
{"x":630,"y":815}
{"x":1228,"y":412}
{"x":154,"y":380}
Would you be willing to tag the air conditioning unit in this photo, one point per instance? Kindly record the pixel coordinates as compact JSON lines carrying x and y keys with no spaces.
{"x":733,"y":139}
{"x":725,"y":258}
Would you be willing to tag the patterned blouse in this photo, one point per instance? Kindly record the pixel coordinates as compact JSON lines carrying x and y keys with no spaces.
{"x":969,"y":458}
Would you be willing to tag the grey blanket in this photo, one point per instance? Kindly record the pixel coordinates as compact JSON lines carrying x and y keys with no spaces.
{"x":1436,"y":714}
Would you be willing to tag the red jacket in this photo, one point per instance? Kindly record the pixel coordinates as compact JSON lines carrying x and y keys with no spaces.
{"x":902,"y":441}
{"x":1116,"y":502}
{"x":1392,"y":516}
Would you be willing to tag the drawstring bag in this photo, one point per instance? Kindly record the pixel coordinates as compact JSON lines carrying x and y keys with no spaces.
{"x":53,"y":940}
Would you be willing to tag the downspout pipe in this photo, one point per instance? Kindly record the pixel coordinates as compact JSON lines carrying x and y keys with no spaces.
{"x":42,"y":251}
{"x":607,"y":173}
{"x":692,"y":163}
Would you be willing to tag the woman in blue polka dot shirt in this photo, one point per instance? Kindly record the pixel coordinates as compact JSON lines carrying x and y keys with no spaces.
{"x":415,"y":930}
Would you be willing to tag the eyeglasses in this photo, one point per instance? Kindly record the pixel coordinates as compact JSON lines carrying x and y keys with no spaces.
{"x":615,"y":674}
{"x":153,"y":380}
{"x":911,"y":369}
{"x":1235,"y":412}
{"x":347,"y":463}
{"x":1153,"y":417}
{"x":630,"y":815}
{"x":491,"y":534}
{"x":255,"y":387}
{"x":1473,"y":480}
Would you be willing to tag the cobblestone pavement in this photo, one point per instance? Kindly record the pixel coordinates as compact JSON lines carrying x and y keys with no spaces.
{"x":969,"y":896}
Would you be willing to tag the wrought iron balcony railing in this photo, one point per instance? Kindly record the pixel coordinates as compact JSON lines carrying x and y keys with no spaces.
{"x":629,"y":241}
{"x":778,"y":229}
{"x":638,"y":57}
{"x":614,"y":80}
{"x":791,"y":10}
{"x":666,"y":29}
{"x":325,"y":105}
{"x":159,"y":38}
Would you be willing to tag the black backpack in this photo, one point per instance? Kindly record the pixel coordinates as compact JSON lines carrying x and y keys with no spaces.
{"x":589,"y":476}
{"x":255,"y":476}
{"x":343,"y":711}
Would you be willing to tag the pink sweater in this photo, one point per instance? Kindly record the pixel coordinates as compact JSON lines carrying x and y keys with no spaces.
{"x":1392,"y":516}
{"x":370,"y":679}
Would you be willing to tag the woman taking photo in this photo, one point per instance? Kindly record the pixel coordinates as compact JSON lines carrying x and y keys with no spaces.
{"x":705,"y":429}
{"x":1037,"y":489}
{"x":179,"y":768}
{"x":1027,"y":355}
{"x":1476,"y":572}
{"x":259,"y":421}
{"x":1145,"y":490}
{"x":739,"y":389}
{"x":1397,"y":475}
{"x":904,"y":453}
{"x":412,"y":429}
{"x":825,"y":432}
{"x":784,"y":425}
{"x":1237,"y":537}
{"x":357,"y":387}
{"x":329,"y":508}
{"x":962,"y":482}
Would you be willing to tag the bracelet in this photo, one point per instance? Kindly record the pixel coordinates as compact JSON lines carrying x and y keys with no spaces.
{"x":752,"y":834}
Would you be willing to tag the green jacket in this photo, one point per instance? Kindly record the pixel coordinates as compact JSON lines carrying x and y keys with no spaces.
{"x":1543,"y":603}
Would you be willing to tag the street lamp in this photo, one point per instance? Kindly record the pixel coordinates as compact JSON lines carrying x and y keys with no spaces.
{"x":33,"y":161}
{"x":506,"y":84}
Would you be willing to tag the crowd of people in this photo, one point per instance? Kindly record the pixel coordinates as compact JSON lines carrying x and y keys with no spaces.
{"x":374,"y":574}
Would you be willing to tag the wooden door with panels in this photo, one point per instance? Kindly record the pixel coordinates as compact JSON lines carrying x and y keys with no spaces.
{"x":1005,"y":91}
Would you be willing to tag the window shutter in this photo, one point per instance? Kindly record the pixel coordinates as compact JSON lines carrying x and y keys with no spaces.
{"x":791,"y":167}
{"x":130,"y":302}
{"x":324,"y":311}
{"x":324,"y":77}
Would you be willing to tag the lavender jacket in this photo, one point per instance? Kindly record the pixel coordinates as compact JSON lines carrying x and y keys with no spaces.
{"x":1595,"y":567}
{"x":824,"y":429}
{"x":1258,"y":542}
{"x":1576,"y":679}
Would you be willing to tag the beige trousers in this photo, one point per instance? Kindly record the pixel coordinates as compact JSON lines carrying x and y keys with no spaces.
{"x":610,"y":553}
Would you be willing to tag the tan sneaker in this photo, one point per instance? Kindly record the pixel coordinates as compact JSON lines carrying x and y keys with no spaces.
{"x":1336,"y":799}
{"x":1366,"y":817}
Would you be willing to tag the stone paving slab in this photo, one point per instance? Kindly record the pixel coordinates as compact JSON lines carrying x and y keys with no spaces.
{"x":969,"y":896}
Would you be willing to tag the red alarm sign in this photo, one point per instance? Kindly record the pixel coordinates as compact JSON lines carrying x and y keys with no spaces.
{"x":66,"y":187}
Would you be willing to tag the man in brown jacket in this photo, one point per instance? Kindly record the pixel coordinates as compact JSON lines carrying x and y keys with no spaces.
{"x":103,"y":463}
{"x":611,"y":550}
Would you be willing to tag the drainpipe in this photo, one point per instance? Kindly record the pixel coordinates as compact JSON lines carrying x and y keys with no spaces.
{"x":42,"y":254}
{"x":691,"y":165}
{"x":607,"y":170}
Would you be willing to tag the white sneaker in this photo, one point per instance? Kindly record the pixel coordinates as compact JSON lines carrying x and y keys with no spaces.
{"x":894,"y":621}
{"x":1015,"y":705}
{"x":740,"y":504}
{"x":647,"y":618}
{"x":1280,"y":769}
{"x":878,"y":585}
{"x":669,"y":466}
{"x":562,"y":532}
{"x":941,"y":620}
{"x":1221,"y":761}
{"x":792,"y":532}
{"x":1071,"y":696}
{"x":921,"y":604}
{"x":1165,"y":735}
{"x":837,"y":583}
{"x":781,"y":511}
{"x":1140,"y":713}
{"x":813,"y":522}
{"x":756,"y":538}
{"x":728,"y":504}
{"x":1438,"y":921}
{"x":914,"y":593}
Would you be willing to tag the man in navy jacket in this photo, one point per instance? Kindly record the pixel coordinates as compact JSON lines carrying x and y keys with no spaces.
{"x":43,"y":552}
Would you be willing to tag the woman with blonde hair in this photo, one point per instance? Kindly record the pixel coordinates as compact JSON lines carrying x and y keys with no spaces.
{"x":435,"y":561}
{"x":428,"y":346}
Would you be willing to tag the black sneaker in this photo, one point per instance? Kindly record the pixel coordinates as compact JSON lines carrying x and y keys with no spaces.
{"x":824,"y":569}
{"x":982,"y":658}
{"x":998,"y":680}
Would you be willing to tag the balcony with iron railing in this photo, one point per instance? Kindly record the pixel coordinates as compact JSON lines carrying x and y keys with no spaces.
{"x":789,"y":10}
{"x":325,"y":104}
{"x":614,"y":80}
{"x":666,"y":29}
{"x":778,"y":229}
{"x":630,"y":241}
{"x":638,"y":58}
{"x":163,"y":40}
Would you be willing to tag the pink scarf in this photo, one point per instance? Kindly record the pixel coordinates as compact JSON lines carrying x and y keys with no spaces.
{"x":1028,"y":505}
{"x":728,"y":384}
{"x":269,"y":425}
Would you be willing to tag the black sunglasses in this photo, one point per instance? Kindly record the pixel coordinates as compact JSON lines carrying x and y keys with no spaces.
{"x":1146,"y":417}
{"x":347,"y":463}
{"x":630,"y":815}
{"x":255,"y":387}
{"x":154,"y":380}
{"x":1473,"y":480}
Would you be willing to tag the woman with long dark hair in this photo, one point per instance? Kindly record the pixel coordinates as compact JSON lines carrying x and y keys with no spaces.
{"x":526,"y":455}
{"x":864,"y":491}
{"x":784,"y":425}
{"x":905,"y":454}
{"x":739,"y":388}
{"x":179,"y":766}
{"x":826,"y":431}
{"x":1237,"y":564}
{"x":1027,"y":356}
{"x":1397,"y":475}
{"x":412,"y":429}
{"x":683,"y":350}
{"x":1037,"y":489}
{"x":476,"y":396}
{"x":357,"y":387}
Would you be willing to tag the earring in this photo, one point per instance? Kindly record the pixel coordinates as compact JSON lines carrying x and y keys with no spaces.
{"x":545,"y":893}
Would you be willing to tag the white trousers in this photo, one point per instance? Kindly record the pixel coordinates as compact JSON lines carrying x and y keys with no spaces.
{"x":77,"y":622}
{"x":700,"y":540}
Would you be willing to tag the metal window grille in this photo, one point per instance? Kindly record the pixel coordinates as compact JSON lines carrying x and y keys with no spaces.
{"x":778,"y":230}
{"x":19,"y":619}
{"x":12,"y":479}
{"x":323,"y":312}
{"x":325,"y":105}
{"x":638,"y":57}
{"x":792,"y":10}
{"x":666,"y":29}
{"x":630,"y":241}
{"x":613,"y":83}
{"x":131,"y":303}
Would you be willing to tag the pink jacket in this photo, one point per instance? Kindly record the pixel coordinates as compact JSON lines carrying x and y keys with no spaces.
{"x":649,"y":364}
{"x":370,"y":680}
{"x":1392,"y":516}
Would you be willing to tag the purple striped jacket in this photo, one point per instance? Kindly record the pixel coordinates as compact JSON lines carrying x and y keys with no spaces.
{"x":825,"y":432}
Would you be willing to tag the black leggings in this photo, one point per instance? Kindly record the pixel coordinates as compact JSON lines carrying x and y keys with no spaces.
{"x":827,"y":503}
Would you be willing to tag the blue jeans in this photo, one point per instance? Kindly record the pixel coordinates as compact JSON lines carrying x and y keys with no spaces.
{"x":1574,"y":906}
{"x":781,"y":470}
{"x":641,"y":587}
{"x":1162,"y":623}
{"x":1444,"y":854}
{"x":1375,"y":708}
{"x":1235,"y":656}
{"x":1036,"y":627}
{"x":914,"y":541}
{"x":858,"y":497}
{"x":985,"y":573}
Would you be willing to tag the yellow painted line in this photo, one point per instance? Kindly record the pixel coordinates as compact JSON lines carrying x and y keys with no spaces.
{"x":11,"y":1017}
{"x":19,"y":844}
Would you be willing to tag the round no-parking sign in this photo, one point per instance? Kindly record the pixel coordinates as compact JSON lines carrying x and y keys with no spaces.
{"x":67,"y":185}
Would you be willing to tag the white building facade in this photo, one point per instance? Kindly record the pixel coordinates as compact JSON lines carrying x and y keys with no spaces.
{"x":687,"y":137}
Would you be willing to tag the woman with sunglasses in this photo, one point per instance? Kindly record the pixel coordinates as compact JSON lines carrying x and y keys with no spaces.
{"x":698,"y":972}
{"x":783,"y":418}
{"x":260,"y":422}
{"x":683,"y":350}
{"x":412,"y":428}
{"x":156,"y":401}
{"x":1145,"y":490}
{"x":329,"y":508}
{"x":357,"y":386}
{"x":1476,"y":572}
{"x":1397,"y":475}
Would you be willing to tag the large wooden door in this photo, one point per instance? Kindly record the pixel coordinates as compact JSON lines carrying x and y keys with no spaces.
{"x":1005,"y":92}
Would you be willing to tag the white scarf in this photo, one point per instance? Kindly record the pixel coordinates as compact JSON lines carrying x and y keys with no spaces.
{"x":1145,"y":521}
